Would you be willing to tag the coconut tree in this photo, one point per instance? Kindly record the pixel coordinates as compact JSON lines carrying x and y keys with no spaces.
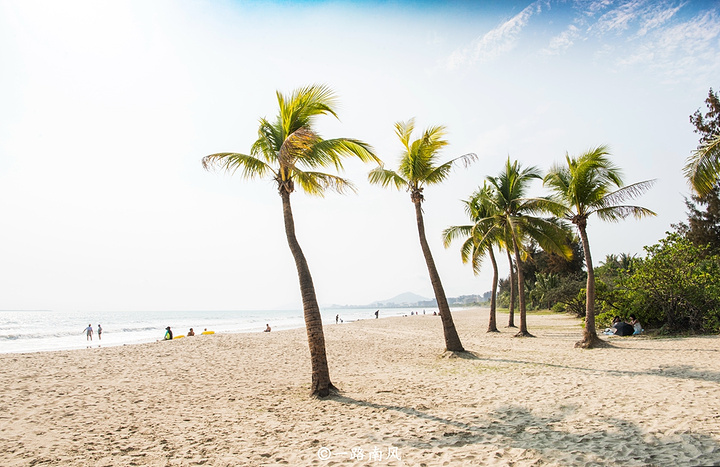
{"x":289,"y":150}
{"x":418,"y":168}
{"x":591,"y":184}
{"x":479,"y":241}
{"x":703,"y":166}
{"x":514,"y":213}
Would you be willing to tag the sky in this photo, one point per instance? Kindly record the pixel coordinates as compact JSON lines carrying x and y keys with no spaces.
{"x":106,"y":109}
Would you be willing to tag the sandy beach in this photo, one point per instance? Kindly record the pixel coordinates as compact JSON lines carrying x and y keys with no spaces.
{"x":230,"y":400}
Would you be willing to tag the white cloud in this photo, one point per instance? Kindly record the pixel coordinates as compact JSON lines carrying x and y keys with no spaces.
{"x":562,"y":41}
{"x":496,"y":42}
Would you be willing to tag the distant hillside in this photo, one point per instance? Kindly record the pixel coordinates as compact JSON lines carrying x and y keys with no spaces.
{"x":407,"y":298}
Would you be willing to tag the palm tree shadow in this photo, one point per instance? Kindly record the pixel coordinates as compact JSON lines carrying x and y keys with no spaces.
{"x":552,"y":438}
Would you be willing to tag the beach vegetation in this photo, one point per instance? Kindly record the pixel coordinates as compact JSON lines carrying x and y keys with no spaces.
{"x":290,"y":151}
{"x":586,"y":185}
{"x":674,"y":288}
{"x":419,"y":167}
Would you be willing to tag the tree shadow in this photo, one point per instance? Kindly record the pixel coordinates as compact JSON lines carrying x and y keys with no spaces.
{"x":677,"y":371}
{"x":601,"y":441}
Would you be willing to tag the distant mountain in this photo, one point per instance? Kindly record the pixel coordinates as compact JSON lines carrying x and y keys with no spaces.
{"x":407,"y":298}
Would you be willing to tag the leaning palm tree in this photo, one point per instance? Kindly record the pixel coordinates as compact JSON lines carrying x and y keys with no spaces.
{"x":586,"y":185}
{"x":703,"y":166}
{"x":479,"y":241}
{"x":513,"y":212}
{"x":289,"y":150}
{"x":417,"y":169}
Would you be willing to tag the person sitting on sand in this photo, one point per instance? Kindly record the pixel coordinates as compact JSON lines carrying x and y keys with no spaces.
{"x":168,"y":334}
{"x":267,"y":328}
{"x":636,"y":325}
{"x":191,"y":332}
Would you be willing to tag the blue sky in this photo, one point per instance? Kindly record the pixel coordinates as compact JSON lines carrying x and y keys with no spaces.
{"x":107,"y":109}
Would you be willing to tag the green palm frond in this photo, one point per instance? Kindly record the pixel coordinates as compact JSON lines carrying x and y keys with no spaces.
{"x":625,"y":193}
{"x":618,"y":213}
{"x":384,"y":177}
{"x":455,"y":232}
{"x":331,"y":152}
{"x":315,"y":183}
{"x":702,"y":168}
{"x":251,"y":167}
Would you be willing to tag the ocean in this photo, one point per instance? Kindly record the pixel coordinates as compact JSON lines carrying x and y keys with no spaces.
{"x":41,"y":331}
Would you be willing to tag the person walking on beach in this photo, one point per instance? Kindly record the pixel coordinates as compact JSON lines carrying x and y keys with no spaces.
{"x":377,"y":314}
{"x":89,"y":332}
{"x":337,"y":318}
{"x":99,"y":332}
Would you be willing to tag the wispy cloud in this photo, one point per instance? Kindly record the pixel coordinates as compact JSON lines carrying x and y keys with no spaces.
{"x":496,"y":42}
{"x":687,"y":48}
{"x":656,"y":16}
{"x":562,"y":41}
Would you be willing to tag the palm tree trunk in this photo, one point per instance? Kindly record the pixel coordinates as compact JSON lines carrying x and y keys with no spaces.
{"x":452,"y":340}
{"x":513,"y":281}
{"x":321,"y":385}
{"x":492,"y":324}
{"x":523,"y":332}
{"x":590,"y":338}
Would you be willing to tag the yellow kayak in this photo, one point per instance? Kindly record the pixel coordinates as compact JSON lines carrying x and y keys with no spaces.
{"x":208,"y":332}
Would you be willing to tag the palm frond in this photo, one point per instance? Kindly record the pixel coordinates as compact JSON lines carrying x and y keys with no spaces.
{"x":384,"y":177}
{"x":617,"y":213}
{"x":455,"y":232}
{"x":251,"y":167}
{"x":626,"y":192}
{"x":315,"y":183}
{"x":702,"y":168}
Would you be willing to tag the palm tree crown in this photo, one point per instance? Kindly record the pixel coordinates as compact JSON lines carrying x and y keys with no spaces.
{"x":290,"y":150}
{"x":418,"y":161}
{"x":703,"y":166}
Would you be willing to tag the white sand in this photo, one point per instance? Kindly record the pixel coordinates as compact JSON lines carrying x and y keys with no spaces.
{"x":229,"y":400}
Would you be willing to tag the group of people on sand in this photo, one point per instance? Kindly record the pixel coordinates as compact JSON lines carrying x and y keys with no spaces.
{"x":621,"y":328}
{"x":169,"y":333}
{"x":89,"y":332}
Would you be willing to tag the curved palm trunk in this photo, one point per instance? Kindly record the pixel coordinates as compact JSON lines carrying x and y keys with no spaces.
{"x":321,"y":385}
{"x":492,"y":324}
{"x":590,"y":338}
{"x":513,"y":281}
{"x":452,"y":340}
{"x":523,"y":332}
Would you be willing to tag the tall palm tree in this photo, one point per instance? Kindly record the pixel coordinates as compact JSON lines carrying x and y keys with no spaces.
{"x":703,"y":166}
{"x":289,"y":150}
{"x":514,"y":214}
{"x":591,"y":184}
{"x":417,"y":169}
{"x":479,"y":242}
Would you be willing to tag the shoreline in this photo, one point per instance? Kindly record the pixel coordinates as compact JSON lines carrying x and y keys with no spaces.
{"x":242,"y":399}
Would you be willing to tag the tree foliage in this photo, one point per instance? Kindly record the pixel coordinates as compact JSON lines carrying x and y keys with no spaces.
{"x":675,"y":287}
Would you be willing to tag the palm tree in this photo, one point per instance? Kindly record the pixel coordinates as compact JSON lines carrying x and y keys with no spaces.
{"x":513,"y":213}
{"x":703,"y":166}
{"x":586,"y":185}
{"x":289,"y":150}
{"x":479,"y":242}
{"x":417,"y":169}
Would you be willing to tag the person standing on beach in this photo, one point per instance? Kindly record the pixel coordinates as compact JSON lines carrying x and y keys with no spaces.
{"x":377,"y":314}
{"x":337,"y":318}
{"x":99,"y":332}
{"x":89,"y":332}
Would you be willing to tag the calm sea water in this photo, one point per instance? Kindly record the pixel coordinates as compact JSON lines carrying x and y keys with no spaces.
{"x":38,"y":331}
